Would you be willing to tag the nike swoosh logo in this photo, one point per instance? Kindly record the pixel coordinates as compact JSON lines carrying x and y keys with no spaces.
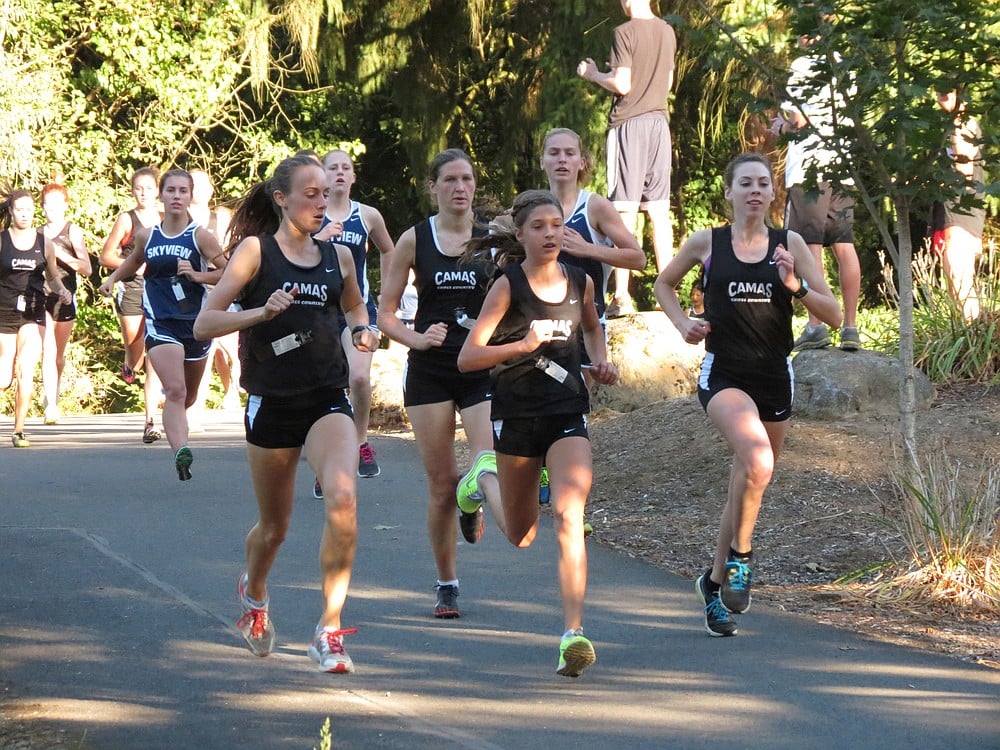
{"x":771,"y":262}
{"x":573,"y":301}
{"x":779,"y":413}
{"x":330,"y":270}
{"x":567,"y":432}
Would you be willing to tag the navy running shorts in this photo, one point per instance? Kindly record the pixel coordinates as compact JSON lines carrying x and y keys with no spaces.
{"x":179,"y":332}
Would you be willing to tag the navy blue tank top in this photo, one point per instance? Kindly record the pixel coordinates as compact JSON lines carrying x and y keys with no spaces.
{"x":595,"y":269}
{"x":165,"y":295}
{"x":355,"y":237}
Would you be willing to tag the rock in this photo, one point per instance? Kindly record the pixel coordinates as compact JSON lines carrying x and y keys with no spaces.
{"x":832,"y":384}
{"x":655,"y":363}
{"x":387,"y":387}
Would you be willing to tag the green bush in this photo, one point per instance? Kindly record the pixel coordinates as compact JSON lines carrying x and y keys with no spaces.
{"x":948,"y":348}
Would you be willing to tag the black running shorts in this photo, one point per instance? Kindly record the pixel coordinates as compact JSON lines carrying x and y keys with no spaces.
{"x":285,"y":422}
{"x":531,"y":437}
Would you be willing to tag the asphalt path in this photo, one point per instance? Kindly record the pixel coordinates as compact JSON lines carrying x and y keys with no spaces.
{"x":117,"y":612}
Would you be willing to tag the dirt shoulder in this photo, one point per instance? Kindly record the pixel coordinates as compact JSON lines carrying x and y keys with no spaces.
{"x":660,"y":478}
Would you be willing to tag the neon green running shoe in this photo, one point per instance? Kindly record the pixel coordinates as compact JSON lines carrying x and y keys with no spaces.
{"x":576,"y":653}
{"x":468,"y":493}
{"x":182,"y":462}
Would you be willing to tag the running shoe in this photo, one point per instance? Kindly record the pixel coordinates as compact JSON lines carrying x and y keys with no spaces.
{"x":735,"y":590}
{"x":473,"y":525}
{"x":367,"y":465}
{"x":447,"y":602}
{"x":576,"y":653}
{"x":127,"y":373}
{"x":544,"y":496}
{"x":850,"y":341}
{"x":469,"y":494}
{"x":149,"y":434}
{"x":19,"y":440}
{"x":182,"y":461}
{"x":255,"y":625}
{"x":718,"y":622}
{"x":51,"y":415}
{"x":317,"y":490}
{"x":327,"y":650}
{"x":812,"y":338}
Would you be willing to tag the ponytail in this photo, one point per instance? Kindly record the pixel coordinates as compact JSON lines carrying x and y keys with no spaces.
{"x":257,"y":213}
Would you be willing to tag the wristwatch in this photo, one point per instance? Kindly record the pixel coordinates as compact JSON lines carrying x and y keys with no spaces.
{"x":803,"y":288}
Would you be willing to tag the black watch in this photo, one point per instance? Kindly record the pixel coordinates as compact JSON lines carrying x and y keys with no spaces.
{"x":803,"y":289}
{"x":359,"y":329}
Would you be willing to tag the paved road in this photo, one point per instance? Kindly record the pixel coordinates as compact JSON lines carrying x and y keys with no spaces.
{"x":116,"y":624}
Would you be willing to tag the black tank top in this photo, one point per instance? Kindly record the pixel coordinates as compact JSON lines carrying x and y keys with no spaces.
{"x":447,"y":289}
{"x":298,"y":351}
{"x":64,"y":243}
{"x":127,"y":246}
{"x":748,"y":307}
{"x":22,"y":272}
{"x":520,"y":387}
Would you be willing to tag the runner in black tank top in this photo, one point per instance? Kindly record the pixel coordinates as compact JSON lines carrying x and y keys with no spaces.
{"x":27,"y":259}
{"x":71,"y":254}
{"x":450,"y":295}
{"x":295,"y":373}
{"x":751,"y":274}
{"x":128,"y":297}
{"x":527,"y":331}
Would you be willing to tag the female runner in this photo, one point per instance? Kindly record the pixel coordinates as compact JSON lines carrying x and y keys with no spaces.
{"x":751,"y":275}
{"x":178,"y":256}
{"x":128,"y":297}
{"x":291,"y":287}
{"x":449,"y":296}
{"x":529,"y":331}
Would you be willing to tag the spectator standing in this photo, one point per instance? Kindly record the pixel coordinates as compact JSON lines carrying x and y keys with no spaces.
{"x":958,"y":232}
{"x":638,"y":141}
{"x":825,"y":219}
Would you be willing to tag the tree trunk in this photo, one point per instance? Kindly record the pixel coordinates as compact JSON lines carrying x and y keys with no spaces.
{"x":907,"y":388}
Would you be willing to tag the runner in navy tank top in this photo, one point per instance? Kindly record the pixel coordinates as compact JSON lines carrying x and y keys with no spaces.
{"x":751,"y":275}
{"x":450,"y":294}
{"x":595,"y":237}
{"x":357,"y":226}
{"x":177,"y":255}
{"x":529,"y":332}
{"x":73,"y":259}
{"x":294,"y":371}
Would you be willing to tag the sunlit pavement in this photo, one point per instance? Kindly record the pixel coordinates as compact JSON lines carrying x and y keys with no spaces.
{"x":117,"y":585}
